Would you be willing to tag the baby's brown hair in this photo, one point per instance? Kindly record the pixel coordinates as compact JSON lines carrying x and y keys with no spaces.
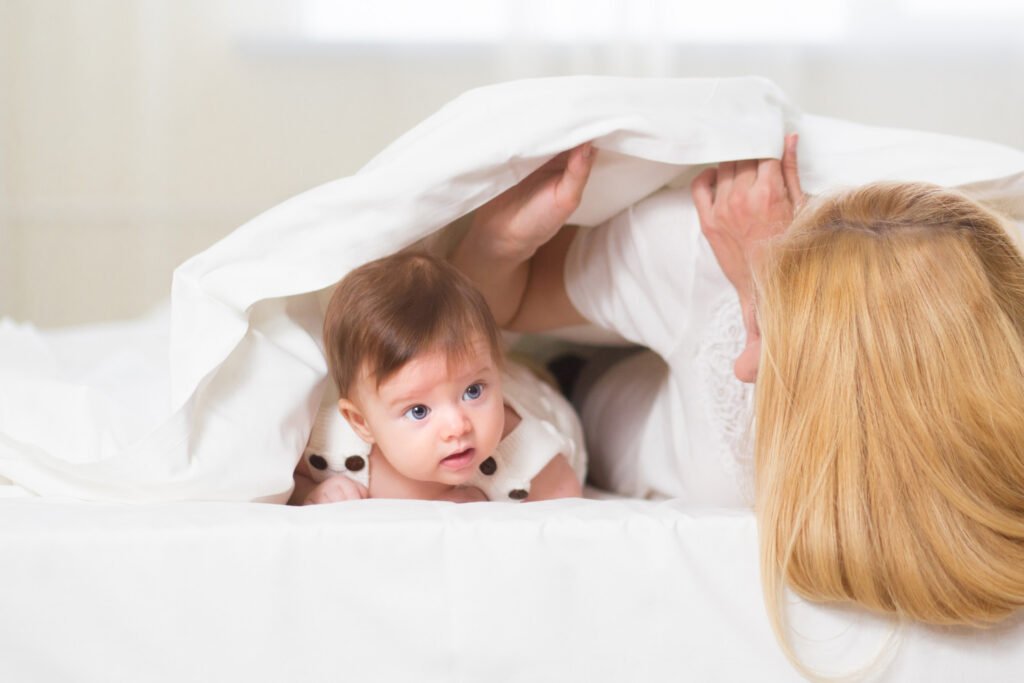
{"x":385,"y":312}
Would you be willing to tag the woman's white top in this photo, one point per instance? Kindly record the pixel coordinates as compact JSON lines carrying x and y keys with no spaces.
{"x":675,"y":425}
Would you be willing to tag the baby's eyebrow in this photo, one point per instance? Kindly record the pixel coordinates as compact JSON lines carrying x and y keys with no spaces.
{"x":409,"y":397}
{"x":482,"y":371}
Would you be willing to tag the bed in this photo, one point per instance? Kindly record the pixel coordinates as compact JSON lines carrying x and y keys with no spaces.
{"x":140,"y":460}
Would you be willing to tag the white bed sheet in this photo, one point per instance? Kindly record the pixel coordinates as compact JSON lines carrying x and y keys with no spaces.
{"x":385,"y":590}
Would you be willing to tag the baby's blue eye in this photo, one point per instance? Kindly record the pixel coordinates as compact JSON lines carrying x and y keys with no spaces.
{"x":417,"y":412}
{"x":473,"y":392}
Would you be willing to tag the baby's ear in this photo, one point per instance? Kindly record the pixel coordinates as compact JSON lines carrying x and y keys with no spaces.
{"x":356,"y":420}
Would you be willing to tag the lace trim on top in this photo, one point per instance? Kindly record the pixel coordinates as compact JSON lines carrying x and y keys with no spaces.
{"x":729,"y":403}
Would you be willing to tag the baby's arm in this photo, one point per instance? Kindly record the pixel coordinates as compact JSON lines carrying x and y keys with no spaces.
{"x":337,"y":488}
{"x":556,"y":480}
{"x":303,"y":483}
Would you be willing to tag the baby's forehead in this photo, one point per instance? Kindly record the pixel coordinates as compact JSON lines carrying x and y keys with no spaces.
{"x":433,"y":366}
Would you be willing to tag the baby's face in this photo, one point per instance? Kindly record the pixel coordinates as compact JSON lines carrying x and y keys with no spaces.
{"x":436,"y":421}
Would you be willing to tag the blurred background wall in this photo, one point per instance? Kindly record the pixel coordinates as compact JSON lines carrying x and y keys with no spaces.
{"x":134,"y":133}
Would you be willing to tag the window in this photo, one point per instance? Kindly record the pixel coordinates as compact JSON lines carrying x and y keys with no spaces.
{"x":655,"y":22}
{"x":570,"y":21}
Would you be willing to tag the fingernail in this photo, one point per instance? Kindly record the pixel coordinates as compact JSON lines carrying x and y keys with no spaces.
{"x":588,"y":151}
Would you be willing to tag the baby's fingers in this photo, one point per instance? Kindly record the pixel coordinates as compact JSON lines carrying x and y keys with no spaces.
{"x":336,"y":489}
{"x":360,"y":491}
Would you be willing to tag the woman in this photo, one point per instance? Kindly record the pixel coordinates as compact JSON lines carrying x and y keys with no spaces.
{"x":884,"y":327}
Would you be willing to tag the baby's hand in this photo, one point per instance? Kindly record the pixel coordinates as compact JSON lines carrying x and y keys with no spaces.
{"x":336,"y":489}
{"x":464,"y":494}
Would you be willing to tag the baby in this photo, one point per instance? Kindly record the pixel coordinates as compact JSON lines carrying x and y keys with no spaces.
{"x":416,"y":358}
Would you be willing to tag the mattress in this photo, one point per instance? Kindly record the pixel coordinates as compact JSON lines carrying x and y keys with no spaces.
{"x":385,"y":590}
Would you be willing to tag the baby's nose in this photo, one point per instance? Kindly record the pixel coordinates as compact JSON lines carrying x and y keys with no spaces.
{"x":457,"y":424}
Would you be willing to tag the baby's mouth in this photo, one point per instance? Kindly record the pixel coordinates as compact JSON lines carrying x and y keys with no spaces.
{"x":459,"y":460}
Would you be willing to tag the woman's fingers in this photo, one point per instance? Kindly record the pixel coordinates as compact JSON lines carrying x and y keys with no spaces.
{"x":529,"y":213}
{"x":553,"y":165}
{"x":564,"y":177}
{"x":569,"y":189}
{"x":769,"y":172}
{"x":550,"y":171}
{"x":702,"y":189}
{"x":580,"y":158}
{"x":791,"y":171}
{"x":726,"y":176}
{"x":746,"y":174}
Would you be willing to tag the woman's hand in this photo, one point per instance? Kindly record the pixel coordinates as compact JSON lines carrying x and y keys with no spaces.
{"x":507,"y":232}
{"x":527,"y":215}
{"x":743,"y":203}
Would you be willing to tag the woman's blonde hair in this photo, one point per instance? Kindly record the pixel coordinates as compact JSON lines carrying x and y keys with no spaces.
{"x":889,"y":446}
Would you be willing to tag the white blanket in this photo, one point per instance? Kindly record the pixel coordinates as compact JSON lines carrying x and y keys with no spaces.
{"x":246,"y":367}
